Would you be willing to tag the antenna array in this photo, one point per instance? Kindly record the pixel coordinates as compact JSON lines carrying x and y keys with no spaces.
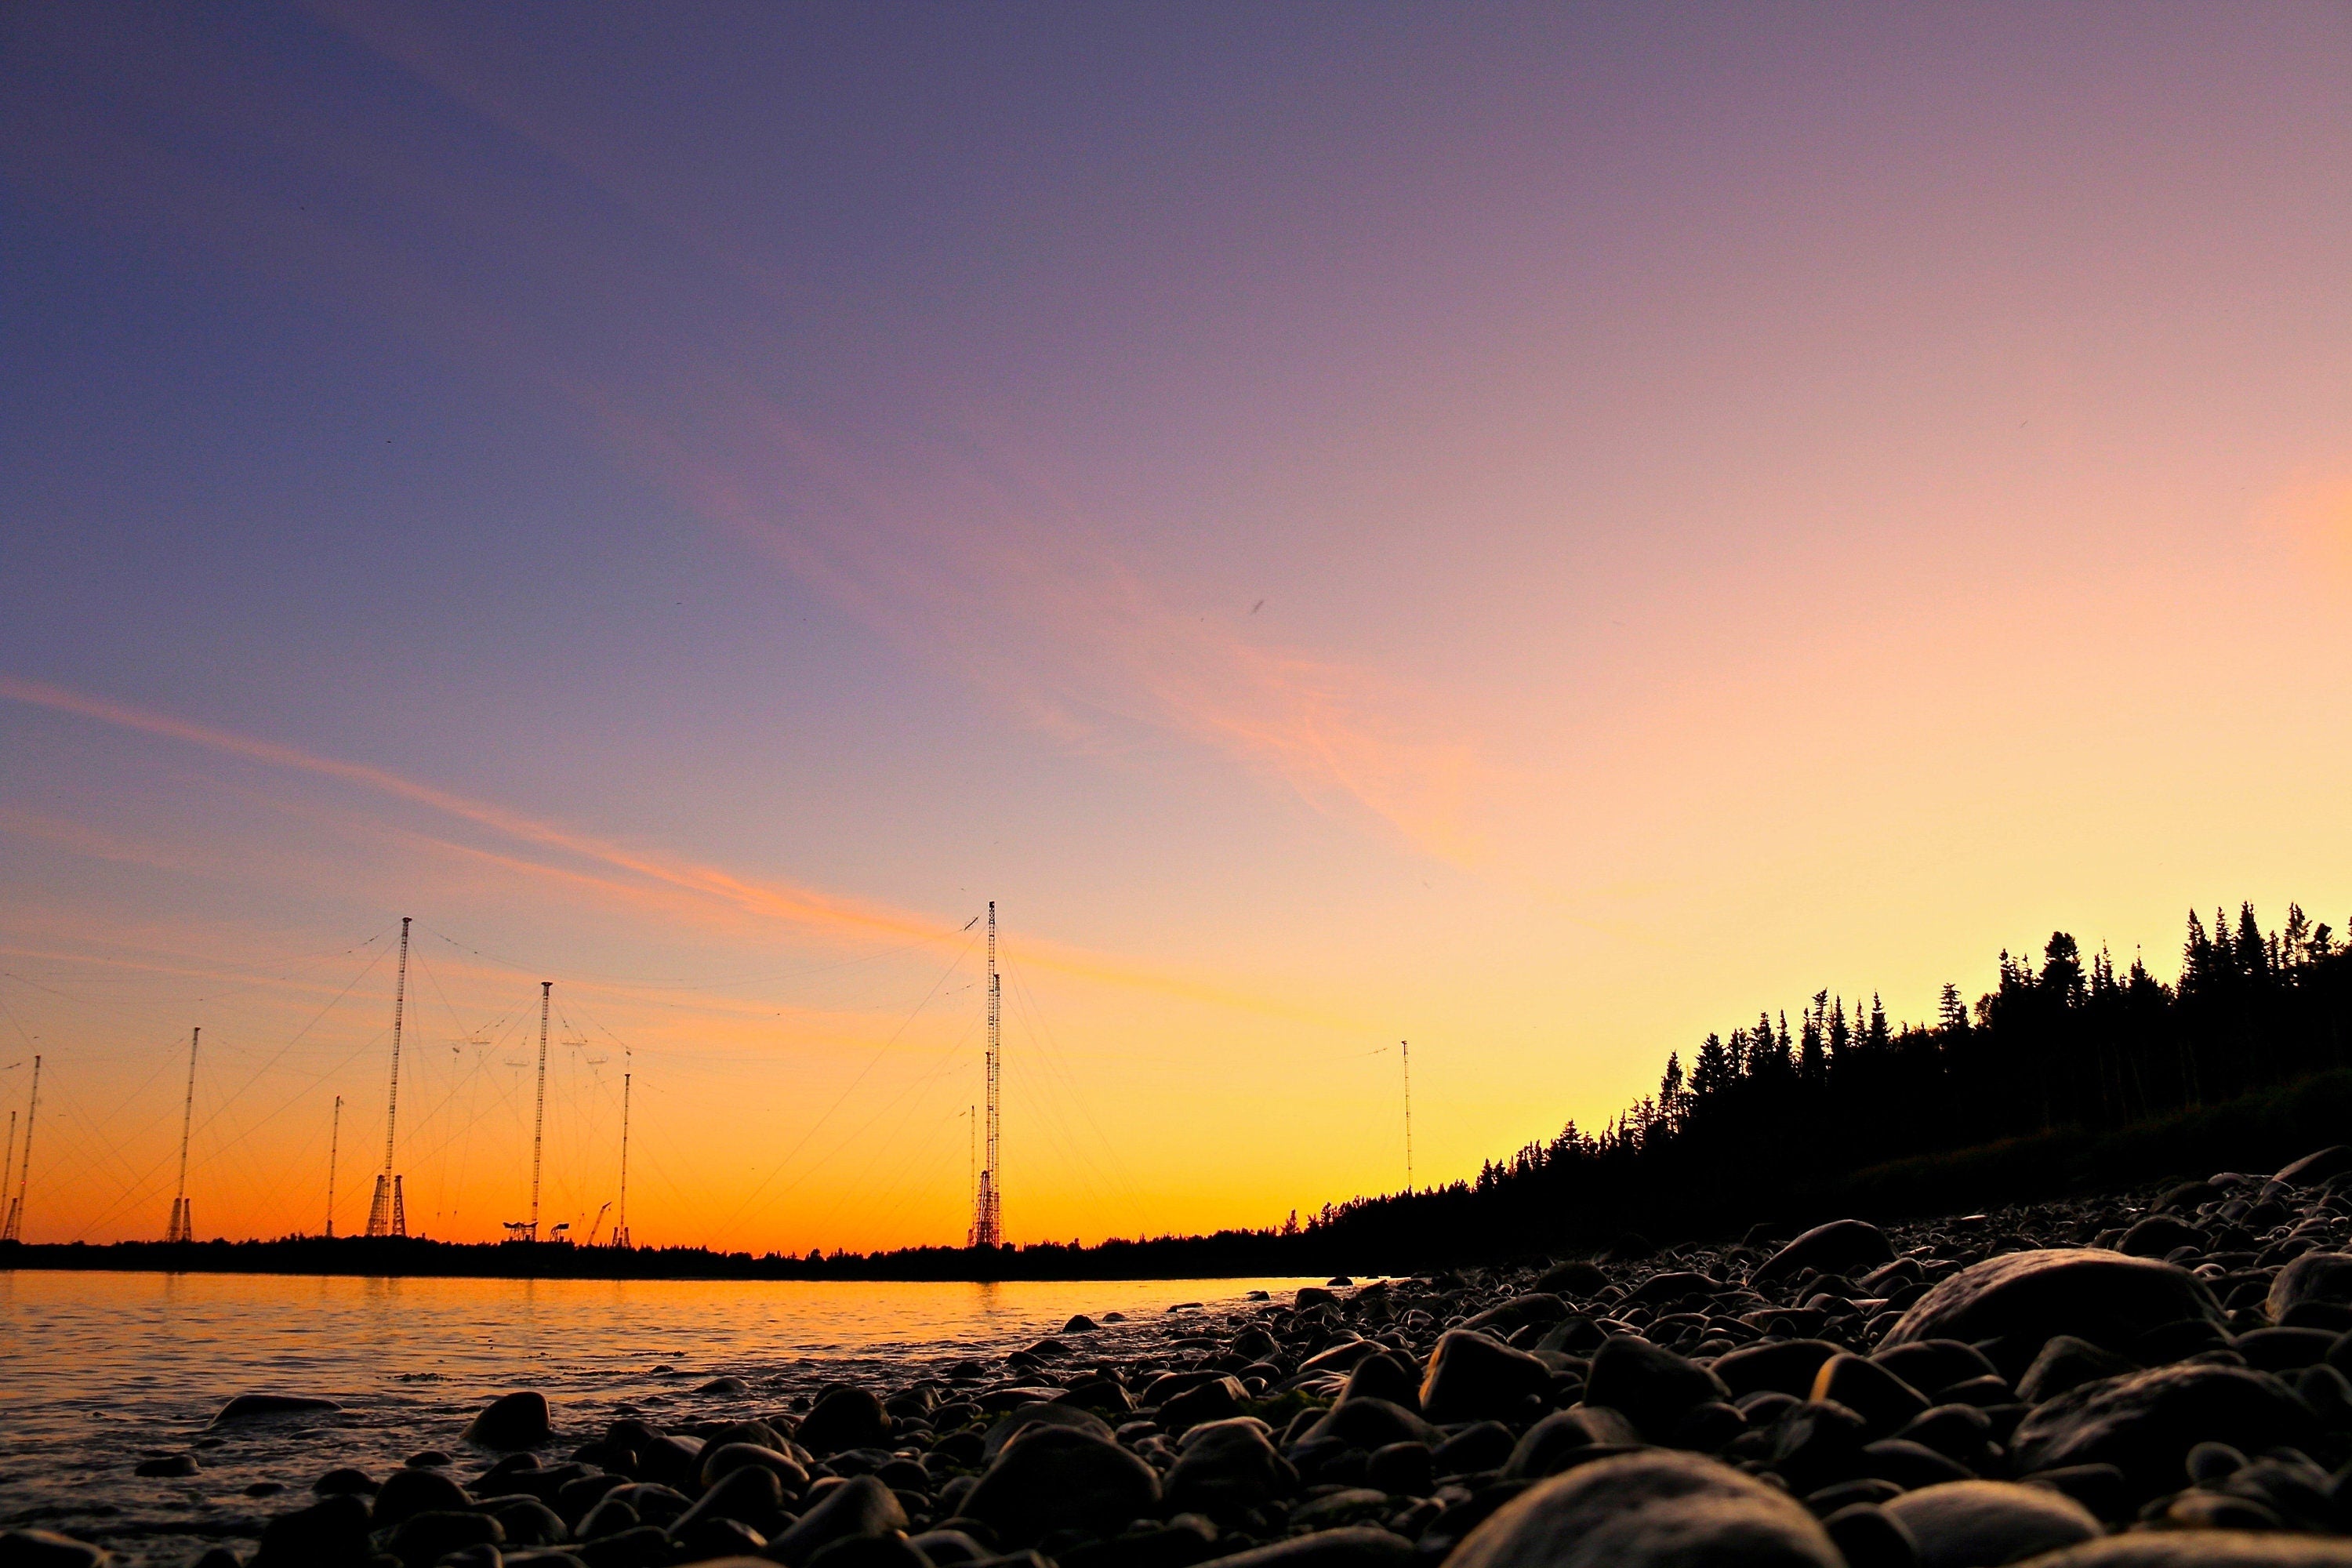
{"x":988,"y":1206}
{"x":388,"y":1213}
{"x":183,"y":1227}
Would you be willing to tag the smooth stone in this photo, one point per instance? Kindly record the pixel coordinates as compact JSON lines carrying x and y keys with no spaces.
{"x":1830,"y":1248}
{"x":2204,"y":1549}
{"x":1517,"y":1312}
{"x":1226,"y":1469}
{"x":1080,"y":1324}
{"x":1575,"y":1278}
{"x":332,"y":1530}
{"x":2158,"y":1234}
{"x":1551,"y":1444}
{"x":1867,"y":1537}
{"x":1334,"y":1511}
{"x":729,"y":1457}
{"x":1932,"y":1366}
{"x":2146,"y":1424}
{"x":1982,"y":1524}
{"x":251,"y":1406}
{"x":2322,"y":1277}
{"x":2102,"y":1296}
{"x":2064,"y":1362}
{"x":1385,"y":1377}
{"x":406,"y":1492}
{"x":1058,"y":1478}
{"x":1371,"y":1423}
{"x":518,"y":1420}
{"x":1353,"y":1546}
{"x":2316,"y":1167}
{"x":751,"y":1495}
{"x":1401,"y":1470}
{"x":1471,"y":1377}
{"x":644,"y":1547}
{"x":1013,"y":1423}
{"x":48,"y":1549}
{"x":2284,"y":1350}
{"x":1648,"y":1384}
{"x":944,"y":1547}
{"x":1652,"y":1510}
{"x":1869,"y":1390}
{"x":528,"y":1522}
{"x":423,"y":1538}
{"x":1482,"y":1446}
{"x":1212,"y":1401}
{"x":172,"y":1465}
{"x":1781,"y":1366}
{"x":859,"y":1506}
{"x":725,"y":1385}
{"x":843,"y":1417}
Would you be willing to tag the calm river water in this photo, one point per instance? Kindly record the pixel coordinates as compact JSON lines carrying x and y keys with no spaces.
{"x":101,"y":1371}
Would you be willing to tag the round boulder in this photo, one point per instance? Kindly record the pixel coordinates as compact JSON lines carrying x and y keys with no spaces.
{"x":1053,"y":1478}
{"x":1981,"y":1524}
{"x":1830,"y":1248}
{"x":2102,"y":1296}
{"x":2314,"y":1277}
{"x":2146,"y":1424}
{"x":1653,"y":1509}
{"x":512,"y":1420}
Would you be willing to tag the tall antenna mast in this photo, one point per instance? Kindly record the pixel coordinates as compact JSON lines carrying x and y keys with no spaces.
{"x":1404,"y":1049}
{"x":12,"y":1228}
{"x":621,"y":1231}
{"x":8,"y":1171}
{"x":183,"y":1227}
{"x":388,"y":1214}
{"x":334,"y":1142}
{"x":987,"y":1208}
{"x":539,"y":1115}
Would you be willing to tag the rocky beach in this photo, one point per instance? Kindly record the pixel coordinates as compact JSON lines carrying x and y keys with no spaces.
{"x":2152,"y":1377}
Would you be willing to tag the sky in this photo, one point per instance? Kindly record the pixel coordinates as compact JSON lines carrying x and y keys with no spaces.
{"x":1533,"y":532}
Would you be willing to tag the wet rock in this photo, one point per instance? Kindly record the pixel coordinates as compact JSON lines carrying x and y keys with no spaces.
{"x":859,"y":1506}
{"x":1229,"y":1467}
{"x":2064,"y":1362}
{"x":1566,"y":1438}
{"x":254,"y":1406}
{"x":423,"y":1538}
{"x":1648,"y":1384}
{"x":2102,"y":1296}
{"x":170,"y":1465}
{"x":407,"y":1492}
{"x":1018,"y":1421}
{"x":1053,"y":1478}
{"x":2320,"y":1277}
{"x":2146,"y":1424}
{"x":1867,"y":1537}
{"x":1981,"y":1524}
{"x":511,"y":1421}
{"x":1649,"y":1510}
{"x":1356,"y":1546}
{"x":843,"y":1417}
{"x":1830,"y":1248}
{"x":46,"y":1549}
{"x":1471,"y":1378}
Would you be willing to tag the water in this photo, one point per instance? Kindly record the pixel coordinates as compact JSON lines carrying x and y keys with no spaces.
{"x":100,"y":1371}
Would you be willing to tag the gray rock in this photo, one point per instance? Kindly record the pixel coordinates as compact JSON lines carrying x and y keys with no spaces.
{"x":512,"y":1420}
{"x":859,"y":1506}
{"x":2313,"y":1277}
{"x":2102,"y":1296}
{"x":1227,"y":1468}
{"x":1648,"y":1384}
{"x":1654,"y":1510}
{"x":2204,"y":1549}
{"x":252,"y":1406}
{"x":1981,"y":1524}
{"x":1472,"y":1377}
{"x":46,"y":1549}
{"x":2145,"y":1424}
{"x":1357,"y":1546}
{"x":1840,"y":1245}
{"x":1027,"y":1415}
{"x":1052,"y":1478}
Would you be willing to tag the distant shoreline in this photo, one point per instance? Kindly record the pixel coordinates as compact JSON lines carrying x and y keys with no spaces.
{"x":377,"y":1257}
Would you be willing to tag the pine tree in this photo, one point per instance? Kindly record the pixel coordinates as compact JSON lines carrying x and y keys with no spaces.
{"x":1951,"y":1013}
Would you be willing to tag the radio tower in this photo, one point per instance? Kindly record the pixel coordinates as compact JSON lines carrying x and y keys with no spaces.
{"x":8,"y":1171}
{"x":621,"y":1230}
{"x":539,"y":1115}
{"x":334,"y":1142}
{"x":184,"y":1223}
{"x":388,"y":1213}
{"x":12,"y":1228}
{"x":1404,"y":1049}
{"x":987,"y":1208}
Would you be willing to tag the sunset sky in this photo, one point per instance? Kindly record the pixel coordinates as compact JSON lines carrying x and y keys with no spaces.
{"x":1539,"y":531}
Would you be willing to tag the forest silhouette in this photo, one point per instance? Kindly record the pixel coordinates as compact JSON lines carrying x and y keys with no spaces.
{"x":2068,"y":1073}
